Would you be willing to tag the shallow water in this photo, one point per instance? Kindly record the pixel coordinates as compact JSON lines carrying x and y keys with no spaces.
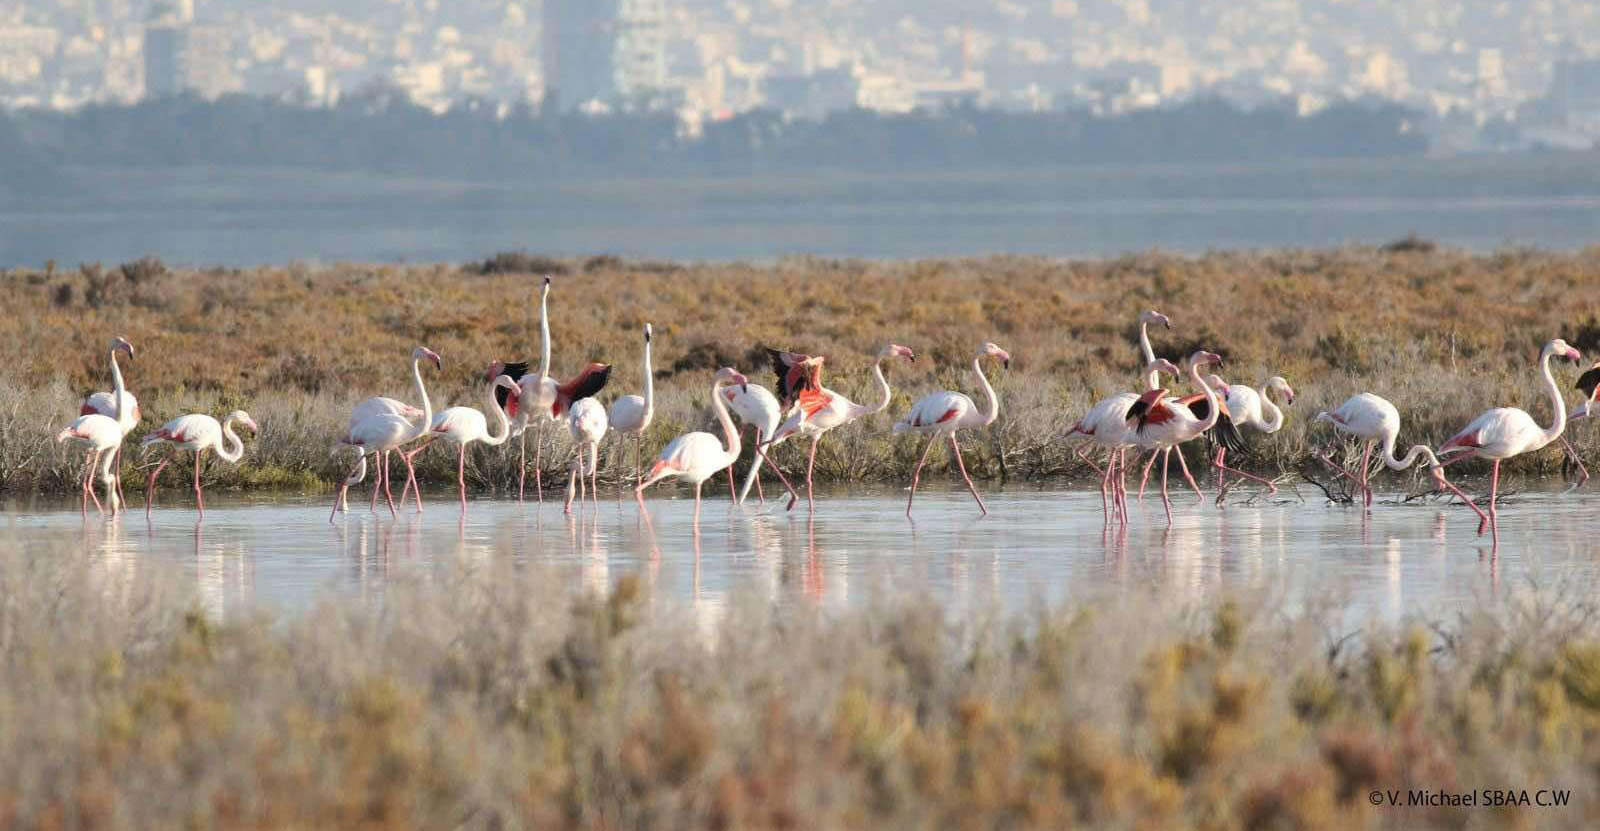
{"x":1036,"y":543}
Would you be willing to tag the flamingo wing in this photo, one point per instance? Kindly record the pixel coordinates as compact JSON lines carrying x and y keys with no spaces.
{"x":585,"y":384}
{"x":502,"y":396}
{"x":1589,"y":381}
{"x":796,"y":373}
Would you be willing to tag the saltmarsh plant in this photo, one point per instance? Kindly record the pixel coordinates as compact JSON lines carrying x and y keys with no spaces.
{"x":484,"y":698}
{"x":1443,"y":334}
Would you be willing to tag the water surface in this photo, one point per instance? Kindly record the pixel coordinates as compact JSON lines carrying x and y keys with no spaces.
{"x":1037,"y":543}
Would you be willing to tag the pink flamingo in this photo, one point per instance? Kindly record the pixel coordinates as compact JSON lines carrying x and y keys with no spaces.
{"x":380,"y":406}
{"x":758,"y":408}
{"x":102,"y":435}
{"x":1107,"y":425}
{"x":1374,"y":419}
{"x":821,"y":409}
{"x":196,"y":433}
{"x":104,"y":403}
{"x":1162,"y":422}
{"x":631,"y":415}
{"x":587,"y":422}
{"x":382,"y":432}
{"x":1504,"y":432}
{"x":462,"y":426}
{"x":943,"y":414}
{"x":1250,"y":408}
{"x":1589,"y":384}
{"x":543,"y":394}
{"x":696,"y":457}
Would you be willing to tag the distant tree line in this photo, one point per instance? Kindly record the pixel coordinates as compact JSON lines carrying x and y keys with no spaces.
{"x":380,"y":131}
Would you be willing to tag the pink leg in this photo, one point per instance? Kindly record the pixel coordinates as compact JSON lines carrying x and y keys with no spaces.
{"x":1438,"y":477}
{"x":1222,"y":453}
{"x":1106,"y":497}
{"x":411,"y":476}
{"x":697,"y":507}
{"x":122,"y":500}
{"x":1222,"y":469}
{"x":1146,"y":477}
{"x":1078,"y":451}
{"x":89,"y":483}
{"x":594,"y":475}
{"x":1185,"y":466}
{"x":538,"y":460}
{"x":732,"y":493}
{"x":461,"y":479}
{"x":963,"y":466}
{"x":1166,"y":501}
{"x":1366,"y":474}
{"x":379,"y":462}
{"x":916,"y":474}
{"x":150,"y":487}
{"x":811,"y":464}
{"x":773,"y":466}
{"x":199,"y":497}
{"x":566,"y":508}
{"x":522,"y":464}
{"x":83,"y":484}
{"x":1494,"y":512}
{"x":1122,"y":482}
{"x":1583,"y":472}
{"x":388,"y":487}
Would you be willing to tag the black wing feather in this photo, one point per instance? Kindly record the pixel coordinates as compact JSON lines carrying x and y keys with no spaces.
{"x":1589,"y":380}
{"x":517,"y":371}
{"x":591,"y":384}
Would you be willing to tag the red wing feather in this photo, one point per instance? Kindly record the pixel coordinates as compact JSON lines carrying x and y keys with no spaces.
{"x":587,"y":384}
{"x":813,"y":400}
{"x":949,"y":414}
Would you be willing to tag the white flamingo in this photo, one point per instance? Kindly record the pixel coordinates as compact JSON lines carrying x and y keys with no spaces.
{"x":101,"y":434}
{"x":1504,"y":432}
{"x":1250,"y":408}
{"x":822,"y":409}
{"x":379,"y":405}
{"x":758,"y":408}
{"x":462,"y":426}
{"x":943,"y":414}
{"x":631,"y":415}
{"x":1106,"y":424}
{"x":1372,"y":418}
{"x":196,"y":433}
{"x":586,"y":420}
{"x":1162,"y":422}
{"x":696,"y":457}
{"x":382,"y":432}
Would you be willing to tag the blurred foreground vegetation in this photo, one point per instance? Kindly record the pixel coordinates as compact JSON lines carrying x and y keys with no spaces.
{"x":1442,"y":333}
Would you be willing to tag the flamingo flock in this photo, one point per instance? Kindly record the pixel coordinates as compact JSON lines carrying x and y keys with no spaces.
{"x":1150,"y":419}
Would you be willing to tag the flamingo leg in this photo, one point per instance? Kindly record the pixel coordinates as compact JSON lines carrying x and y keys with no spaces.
{"x":733,"y":493}
{"x":150,"y":487}
{"x":1122,"y":482}
{"x":522,"y":464}
{"x":1166,"y":502}
{"x":1086,"y":459}
{"x":1494,"y":512}
{"x":697,"y":506}
{"x":963,"y":467}
{"x":388,"y":486}
{"x":123,"y":500}
{"x":762,"y":497}
{"x":1438,"y":477}
{"x":1366,"y":474}
{"x":1185,"y":466}
{"x":1583,"y":472}
{"x":1146,"y":477}
{"x":83,"y":483}
{"x":575,"y":470}
{"x":811,"y":464}
{"x":594,"y":474}
{"x":916,"y":474}
{"x":538,"y":463}
{"x":1105,"y":484}
{"x":1222,"y":469}
{"x":344,"y":488}
{"x":379,"y":461}
{"x":1222,"y":453}
{"x":461,"y":479}
{"x":793,"y":497}
{"x":411,"y":475}
{"x":199,"y":496}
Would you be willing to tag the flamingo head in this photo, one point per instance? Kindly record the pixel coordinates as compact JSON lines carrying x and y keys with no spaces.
{"x":424,"y":353}
{"x":895,"y":350}
{"x":647,"y":332}
{"x":509,"y":383}
{"x":733,"y":377}
{"x":1215,"y":382}
{"x":244,"y":418}
{"x":1276,"y":382}
{"x":1560,"y":349}
{"x":1161,"y":365}
{"x":1154,"y":316}
{"x":495,"y":370}
{"x":544,"y":287}
{"x":991,"y":349}
{"x":1202,"y":358}
{"x":123,"y":345}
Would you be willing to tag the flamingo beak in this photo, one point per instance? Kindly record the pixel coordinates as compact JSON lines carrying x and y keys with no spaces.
{"x":1571,"y":353}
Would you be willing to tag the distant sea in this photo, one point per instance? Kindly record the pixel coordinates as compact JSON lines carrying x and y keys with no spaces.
{"x":227,"y":217}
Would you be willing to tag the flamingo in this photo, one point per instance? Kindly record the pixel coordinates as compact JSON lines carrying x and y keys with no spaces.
{"x":757,"y":407}
{"x":1162,"y":422}
{"x":381,"y":432}
{"x":1504,"y":432}
{"x":696,"y":457}
{"x":943,"y":414}
{"x":1372,"y":418}
{"x":1250,"y":408}
{"x":1589,"y":384}
{"x":543,"y":395}
{"x":104,"y":403}
{"x":101,"y":433}
{"x":379,"y":406}
{"x":462,"y":426}
{"x":631,"y":415}
{"x":1105,"y":423}
{"x":196,"y":433}
{"x":821,"y":409}
{"x":586,"y":420}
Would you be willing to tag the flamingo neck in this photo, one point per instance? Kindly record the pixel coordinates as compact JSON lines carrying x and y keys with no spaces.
{"x":728,"y":429}
{"x":1274,"y":419}
{"x":649,"y":386}
{"x":1153,"y":380}
{"x":119,"y":396}
{"x":883,"y":387}
{"x":1559,"y":423}
{"x":501,"y":420}
{"x":1410,"y":459}
{"x":544,"y":333}
{"x":426,"y":421}
{"x":993,"y":401}
{"x":1215,"y":408}
{"x":232,"y":447}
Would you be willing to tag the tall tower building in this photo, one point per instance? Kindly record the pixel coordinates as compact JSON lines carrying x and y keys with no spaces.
{"x":579,"y":44}
{"x":641,"y":48}
{"x":166,"y":46}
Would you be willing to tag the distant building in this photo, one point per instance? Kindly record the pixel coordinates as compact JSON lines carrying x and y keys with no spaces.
{"x":600,"y":52}
{"x":811,"y":96}
{"x":166,"y":47}
{"x":640,"y":55}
